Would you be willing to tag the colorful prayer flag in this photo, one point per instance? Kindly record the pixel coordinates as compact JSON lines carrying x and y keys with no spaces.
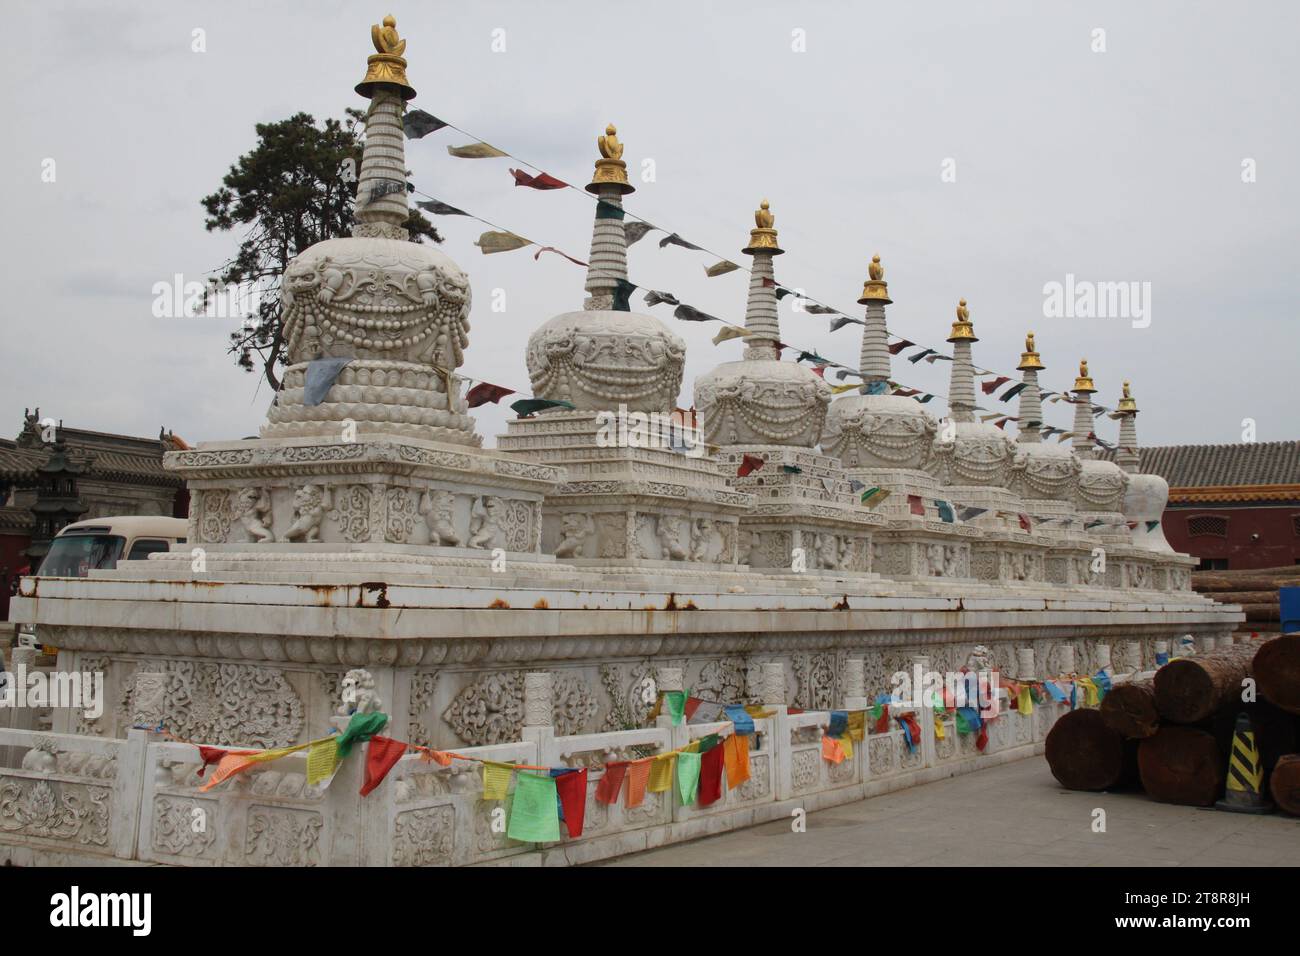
{"x":638,"y":775}
{"x":612,"y":782}
{"x":748,"y":465}
{"x":417,"y":124}
{"x":485,"y":392}
{"x":915,"y":505}
{"x":712,"y":764}
{"x":496,"y":780}
{"x":571,"y":788}
{"x":720,"y":269}
{"x":540,"y":181}
{"x":475,"y":151}
{"x":382,"y":753}
{"x":493,"y":241}
{"x":533,"y":812}
{"x":527,"y":407}
{"x":688,"y":776}
{"x":736,"y":757}
{"x":831,"y":750}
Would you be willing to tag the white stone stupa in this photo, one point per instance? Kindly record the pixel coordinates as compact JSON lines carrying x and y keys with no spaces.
{"x":767,"y":416}
{"x":642,"y":491}
{"x":1102,"y":484}
{"x":1045,"y":475}
{"x":1146,"y":495}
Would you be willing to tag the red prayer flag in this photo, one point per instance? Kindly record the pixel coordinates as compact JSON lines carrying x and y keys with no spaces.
{"x":381,"y":754}
{"x":572,"y":790}
{"x":211,"y":755}
{"x":916,"y":505}
{"x":991,"y":387}
{"x":899,"y":346}
{"x":610,"y":784}
{"x":1024,"y":523}
{"x":982,"y":738}
{"x":692,"y":705}
{"x":712,"y":763}
{"x":882,"y":725}
{"x":748,"y":464}
{"x":485,"y":392}
{"x":540,"y":181}
{"x":819,"y":370}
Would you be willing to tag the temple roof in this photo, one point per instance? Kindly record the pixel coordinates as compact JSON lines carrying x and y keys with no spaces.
{"x":1221,"y":467}
{"x":122,"y":458}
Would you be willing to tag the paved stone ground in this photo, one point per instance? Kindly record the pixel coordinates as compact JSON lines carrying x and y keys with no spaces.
{"x":1003,"y":816}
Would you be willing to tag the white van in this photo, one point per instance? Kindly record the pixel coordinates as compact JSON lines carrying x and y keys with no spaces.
{"x":99,"y":543}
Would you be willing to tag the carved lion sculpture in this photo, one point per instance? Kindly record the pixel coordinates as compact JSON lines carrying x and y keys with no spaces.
{"x":358,"y":695}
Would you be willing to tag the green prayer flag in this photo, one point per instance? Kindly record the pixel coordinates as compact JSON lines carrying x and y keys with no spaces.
{"x":360,"y":727}
{"x":676,"y":700}
{"x":792,"y":469}
{"x":527,"y":406}
{"x":963,"y":725}
{"x":534,"y":814}
{"x":607,"y":210}
{"x":688,"y":776}
{"x":708,"y":742}
{"x":622,"y":294}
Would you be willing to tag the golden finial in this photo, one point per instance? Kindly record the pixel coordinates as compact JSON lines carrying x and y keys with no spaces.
{"x":1127,"y":403}
{"x":610,"y":168}
{"x":1029,"y":357}
{"x":875,"y":289}
{"x":962,"y":330}
{"x":1084,"y":382}
{"x":386,"y":39}
{"x":609,"y":146}
{"x":762,"y":238}
{"x":385,"y":68}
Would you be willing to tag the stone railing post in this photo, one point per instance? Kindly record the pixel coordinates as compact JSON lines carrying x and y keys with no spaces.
{"x":539,"y":716}
{"x":924,"y":708}
{"x":855,"y":684}
{"x":1026,"y":667}
{"x":1103,"y":659}
{"x":1068,"y":664}
{"x":1133,"y":656}
{"x":771,"y":691}
{"x":353,"y":831}
{"x":672,"y":679}
{"x":128,"y":808}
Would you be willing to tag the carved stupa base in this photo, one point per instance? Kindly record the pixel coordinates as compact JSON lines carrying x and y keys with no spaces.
{"x":629,"y":501}
{"x":806,"y":518}
{"x":306,"y":497}
{"x":1002,"y":507}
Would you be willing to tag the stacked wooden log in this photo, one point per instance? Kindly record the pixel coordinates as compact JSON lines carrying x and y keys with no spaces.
{"x":1254,"y":589}
{"x":1176,"y":728}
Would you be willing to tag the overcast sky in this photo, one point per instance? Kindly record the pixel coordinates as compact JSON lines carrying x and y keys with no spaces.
{"x":1123,"y":165}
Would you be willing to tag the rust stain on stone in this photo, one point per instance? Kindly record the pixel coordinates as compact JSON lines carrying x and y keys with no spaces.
{"x":374,"y":587}
{"x":843,"y":605}
{"x":672,"y":602}
{"x":498,"y":605}
{"x":541,"y":605}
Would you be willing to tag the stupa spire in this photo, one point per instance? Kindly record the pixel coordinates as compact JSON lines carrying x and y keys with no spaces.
{"x":607,"y":269}
{"x":760,"y":310}
{"x":380,"y":202}
{"x":961,"y":389}
{"x":1031,"y":396}
{"x":1083,"y":392}
{"x":874,"y":361}
{"x":1126,"y":456}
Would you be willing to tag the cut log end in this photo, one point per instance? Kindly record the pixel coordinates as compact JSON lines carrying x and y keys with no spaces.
{"x":1277,"y":671}
{"x":1130,"y":709}
{"x":1084,"y":753}
{"x":1181,"y":765}
{"x":1285,"y":785}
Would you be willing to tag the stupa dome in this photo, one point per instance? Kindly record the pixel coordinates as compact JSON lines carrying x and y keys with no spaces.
{"x":762,"y":402}
{"x":879,"y":431}
{"x":973,"y":453}
{"x":1047,"y":472}
{"x":600,"y":359}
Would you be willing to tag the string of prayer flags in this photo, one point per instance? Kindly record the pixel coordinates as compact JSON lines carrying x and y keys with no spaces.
{"x":748,"y":465}
{"x":688,"y":776}
{"x":638,"y":775}
{"x":654,"y":298}
{"x":234,"y":762}
{"x":841,"y":389}
{"x":441,"y":757}
{"x":688,"y":313}
{"x":740,"y":719}
{"x":417,"y":124}
{"x":759,"y":712}
{"x":382,"y":754}
{"x":880,"y":714}
{"x":360,"y":727}
{"x":839,"y":723}
{"x":728,"y":332}
{"x":440,"y":208}
{"x":993,"y":385}
{"x":915,"y":505}
{"x":720,"y":269}
{"x":705,"y":712}
{"x":736,"y":757}
{"x":540,"y":181}
{"x":559,"y":252}
{"x":571,"y":788}
{"x":831,"y":750}
{"x":485,"y":392}
{"x":899,"y":346}
{"x":1054,"y":691}
{"x":322,"y":760}
{"x":968,"y":720}
{"x":612,"y":782}
{"x":608,"y":210}
{"x":636,"y":231}
{"x":676,"y":701}
{"x":211,"y":755}
{"x":911,"y":731}
{"x":493,"y":241}
{"x":661,"y":773}
{"x":475,"y":151}
{"x":712,"y":764}
{"x":527,"y":407}
{"x":945,"y":510}
{"x":1012,"y":392}
{"x":874,"y":496}
{"x":496,"y":780}
{"x":533,"y":816}
{"x":676,"y":240}
{"x":1103,"y":684}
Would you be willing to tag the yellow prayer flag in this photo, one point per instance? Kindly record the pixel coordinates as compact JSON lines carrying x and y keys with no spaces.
{"x":692,"y":748}
{"x":730,"y":332}
{"x":493,"y":241}
{"x":758,"y":712}
{"x":841,"y":389}
{"x":846,"y":745}
{"x":475,"y":151}
{"x":661,"y":773}
{"x":496,"y":780}
{"x":858,"y":724}
{"x":938,"y":727}
{"x":277,"y":753}
{"x":1025,"y":702}
{"x":322,"y":760}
